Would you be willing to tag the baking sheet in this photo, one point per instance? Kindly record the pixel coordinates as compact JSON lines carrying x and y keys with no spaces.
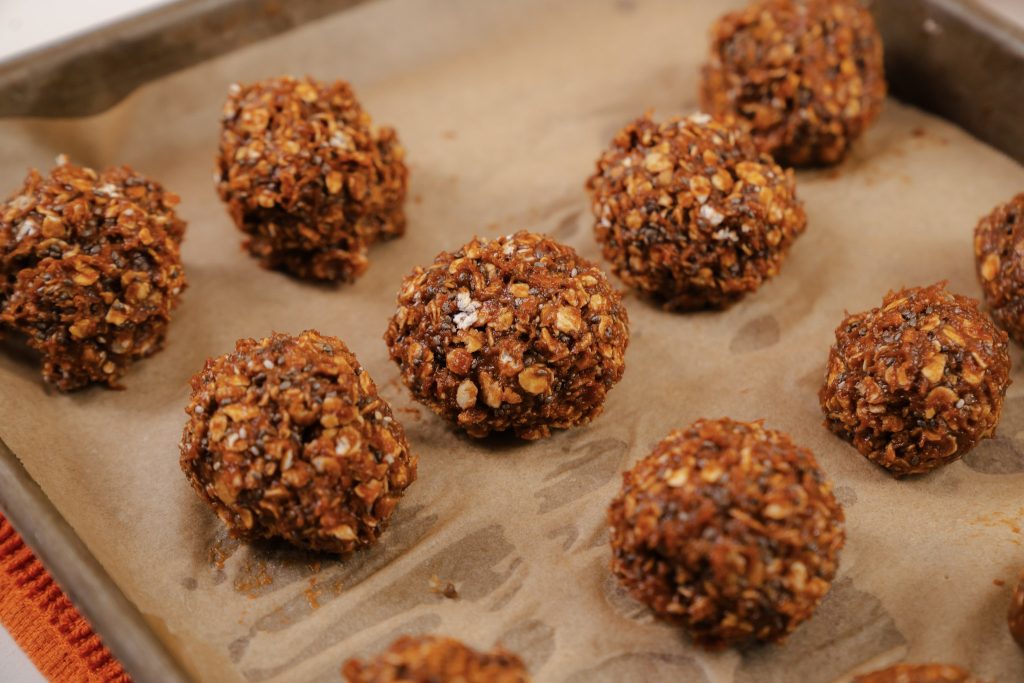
{"x":504,"y":108}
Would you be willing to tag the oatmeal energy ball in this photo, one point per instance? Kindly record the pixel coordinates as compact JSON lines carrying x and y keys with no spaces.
{"x":805,"y":77}
{"x":999,"y":254}
{"x":918,"y":382}
{"x":90,"y":270}
{"x":517,"y":333}
{"x":308,"y":178}
{"x":688,"y":212}
{"x":729,"y":530}
{"x":919,"y":673}
{"x":432,"y":659}
{"x":287,"y":437}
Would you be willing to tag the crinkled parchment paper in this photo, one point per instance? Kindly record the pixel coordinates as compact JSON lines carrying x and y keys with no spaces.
{"x":503,"y":108}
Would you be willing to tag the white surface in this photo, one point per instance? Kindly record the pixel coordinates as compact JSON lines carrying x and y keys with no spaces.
{"x":25,"y":24}
{"x":15,"y":666}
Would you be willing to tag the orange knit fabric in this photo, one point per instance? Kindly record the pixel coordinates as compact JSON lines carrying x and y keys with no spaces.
{"x":44,"y":623}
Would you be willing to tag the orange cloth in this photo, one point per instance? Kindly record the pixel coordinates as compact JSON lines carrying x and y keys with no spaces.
{"x":44,"y":623}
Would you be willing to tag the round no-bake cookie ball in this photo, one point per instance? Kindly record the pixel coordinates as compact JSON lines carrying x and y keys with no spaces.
{"x":805,"y":77}
{"x":920,"y":673}
{"x":517,"y":333}
{"x":287,"y":437}
{"x":688,"y":211}
{"x":999,"y":255}
{"x":916,"y":383}
{"x":432,"y":659}
{"x":90,"y":269}
{"x":308,"y":178}
{"x":728,"y":529}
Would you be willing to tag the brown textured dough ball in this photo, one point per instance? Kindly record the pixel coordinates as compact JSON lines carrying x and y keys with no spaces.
{"x":432,"y":659}
{"x":999,"y":255}
{"x":308,"y":178}
{"x":729,"y":530}
{"x":918,"y":382}
{"x":1015,"y":615}
{"x":920,"y":673}
{"x":90,"y":269}
{"x":688,"y":211}
{"x":517,"y":333}
{"x":287,"y":437}
{"x":805,"y":77}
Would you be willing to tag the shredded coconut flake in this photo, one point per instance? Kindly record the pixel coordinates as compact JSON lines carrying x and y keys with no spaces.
{"x":28,"y":227}
{"x":468,"y":308}
{"x":711,"y":215}
{"x":465,"y":320}
{"x":340,"y":140}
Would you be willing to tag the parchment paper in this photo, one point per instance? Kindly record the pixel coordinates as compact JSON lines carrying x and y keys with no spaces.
{"x":504,"y":107}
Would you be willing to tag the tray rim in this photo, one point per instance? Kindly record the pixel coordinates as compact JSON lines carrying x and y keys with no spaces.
{"x":73,"y":71}
{"x":80,"y":575}
{"x":115,"y":618}
{"x":112,"y":615}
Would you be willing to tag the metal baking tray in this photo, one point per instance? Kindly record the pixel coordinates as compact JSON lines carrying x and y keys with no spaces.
{"x":951,"y":57}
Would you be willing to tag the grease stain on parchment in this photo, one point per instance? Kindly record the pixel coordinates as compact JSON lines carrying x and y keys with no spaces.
{"x":475,"y":559}
{"x":850,"y":627}
{"x":759,"y":333}
{"x":642,"y":666}
{"x":598,"y":464}
{"x":1004,"y":453}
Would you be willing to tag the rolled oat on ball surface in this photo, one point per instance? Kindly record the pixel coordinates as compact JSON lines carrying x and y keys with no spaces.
{"x":435,"y":659}
{"x":804,"y":77}
{"x":308,"y":177}
{"x":688,"y":212}
{"x":917,"y":382}
{"x":515,"y":334}
{"x":288,"y":438}
{"x":90,"y":270}
{"x":999,"y":257}
{"x":729,"y":530}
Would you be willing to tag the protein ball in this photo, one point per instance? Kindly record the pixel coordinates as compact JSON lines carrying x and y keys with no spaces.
{"x":518,"y":333}
{"x":919,"y":673}
{"x":90,"y":270}
{"x":729,"y":530}
{"x":308,"y":178}
{"x":287,"y":437}
{"x":805,"y":77}
{"x":999,"y":255}
{"x":918,"y":382}
{"x":1015,"y":615}
{"x":432,"y":659}
{"x":688,"y":211}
